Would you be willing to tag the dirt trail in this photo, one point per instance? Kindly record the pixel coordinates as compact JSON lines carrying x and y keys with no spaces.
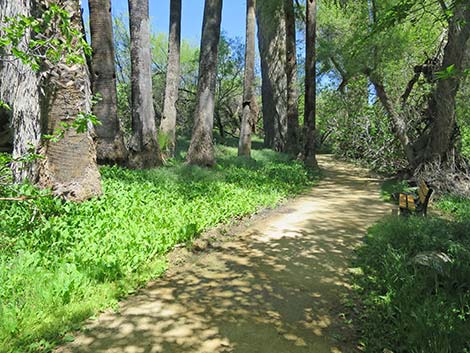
{"x":274,"y":289}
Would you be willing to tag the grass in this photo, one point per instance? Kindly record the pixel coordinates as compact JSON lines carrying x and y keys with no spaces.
{"x":406,"y":304}
{"x":61,"y":263}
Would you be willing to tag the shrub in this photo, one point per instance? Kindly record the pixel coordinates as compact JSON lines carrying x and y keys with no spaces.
{"x":409,"y":305}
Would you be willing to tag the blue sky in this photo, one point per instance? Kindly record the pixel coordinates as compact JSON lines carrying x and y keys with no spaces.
{"x":233,"y":18}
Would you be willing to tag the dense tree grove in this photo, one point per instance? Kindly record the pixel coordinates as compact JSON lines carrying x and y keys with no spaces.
{"x":93,"y":103}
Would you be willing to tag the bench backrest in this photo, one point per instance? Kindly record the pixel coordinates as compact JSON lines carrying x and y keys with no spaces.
{"x":424,"y":193}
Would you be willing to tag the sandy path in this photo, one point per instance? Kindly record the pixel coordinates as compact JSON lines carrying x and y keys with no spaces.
{"x":276,"y":289}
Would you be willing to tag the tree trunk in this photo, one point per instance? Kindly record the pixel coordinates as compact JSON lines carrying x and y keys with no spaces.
{"x":248,"y":113}
{"x":24,"y":120}
{"x":398,"y":123}
{"x":42,"y":105}
{"x":271,"y":39}
{"x":168,"y":124}
{"x":310,"y":85}
{"x":110,"y":147}
{"x":201,"y":150}
{"x":144,"y":149}
{"x":291,"y":71}
{"x":442,"y":102}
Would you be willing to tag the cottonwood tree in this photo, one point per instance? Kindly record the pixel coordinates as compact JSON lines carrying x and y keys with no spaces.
{"x":144,"y":150}
{"x":110,"y":142}
{"x":201,"y":150}
{"x":249,"y":108}
{"x":272,"y":45}
{"x":310,"y":84}
{"x":168,"y":123}
{"x":49,"y":94}
{"x":292,"y":140}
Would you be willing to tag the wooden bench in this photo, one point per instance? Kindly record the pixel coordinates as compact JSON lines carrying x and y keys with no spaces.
{"x":411,"y":203}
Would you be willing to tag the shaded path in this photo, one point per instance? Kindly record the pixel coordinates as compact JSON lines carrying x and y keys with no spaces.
{"x":276,"y":289}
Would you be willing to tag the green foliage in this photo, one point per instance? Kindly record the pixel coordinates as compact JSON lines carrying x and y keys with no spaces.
{"x":60,"y":262}
{"x":459,"y":207}
{"x":25,"y":38}
{"x":393,"y":187}
{"x":357,"y":130}
{"x":409,"y":305}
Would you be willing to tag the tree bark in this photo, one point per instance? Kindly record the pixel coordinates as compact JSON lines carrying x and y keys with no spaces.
{"x":69,"y":168}
{"x":110,"y":141}
{"x":20,"y":89}
{"x":398,"y":122}
{"x":201,"y":150}
{"x":292,"y":145}
{"x":248,"y":113}
{"x":310,"y":86}
{"x":144,"y":149}
{"x":41,"y":104}
{"x":442,"y":102}
{"x":271,"y":39}
{"x":168,"y":122}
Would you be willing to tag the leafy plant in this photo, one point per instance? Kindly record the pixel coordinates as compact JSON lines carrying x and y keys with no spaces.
{"x":61,"y":262}
{"x":413,"y":286}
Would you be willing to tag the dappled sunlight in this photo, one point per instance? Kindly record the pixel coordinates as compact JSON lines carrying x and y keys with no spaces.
{"x":276,"y":288}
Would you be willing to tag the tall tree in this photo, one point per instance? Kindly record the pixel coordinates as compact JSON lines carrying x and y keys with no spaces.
{"x":110,"y":146}
{"x":168,"y":123}
{"x":291,"y":73}
{"x":201,"y":150}
{"x":144,"y":149}
{"x":443,"y":99}
{"x":249,"y":108}
{"x":310,"y":85}
{"x":45,"y":101}
{"x":272,"y":46}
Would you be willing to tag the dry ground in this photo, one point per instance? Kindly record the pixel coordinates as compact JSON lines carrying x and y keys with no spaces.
{"x":274,"y":288}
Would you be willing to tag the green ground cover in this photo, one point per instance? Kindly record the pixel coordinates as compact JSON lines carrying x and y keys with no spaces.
{"x":62,"y":262}
{"x":413,"y":281}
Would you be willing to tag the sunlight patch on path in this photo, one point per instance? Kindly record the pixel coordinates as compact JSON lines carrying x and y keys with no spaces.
{"x":276,"y":289}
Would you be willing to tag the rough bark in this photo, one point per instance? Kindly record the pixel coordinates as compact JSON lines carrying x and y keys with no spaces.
{"x":249,"y":99}
{"x":41,"y":103}
{"x":271,"y":39}
{"x":442,"y":102}
{"x":310,"y":85}
{"x":168,"y":122}
{"x":20,"y":89}
{"x":69,"y":167}
{"x":144,"y":151}
{"x":291,"y":73}
{"x":110,"y":141}
{"x":201,"y":150}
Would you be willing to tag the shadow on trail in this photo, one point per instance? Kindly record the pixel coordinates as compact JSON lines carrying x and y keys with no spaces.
{"x":277,"y":289}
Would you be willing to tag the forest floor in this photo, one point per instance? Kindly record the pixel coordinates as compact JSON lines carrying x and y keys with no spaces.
{"x":275,"y":284}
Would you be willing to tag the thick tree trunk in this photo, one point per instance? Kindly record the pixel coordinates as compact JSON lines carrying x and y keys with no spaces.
{"x":310,"y":85}
{"x":69,"y":166}
{"x":291,"y":71}
{"x":110,"y":147}
{"x":168,"y":123}
{"x":201,"y":150}
{"x":20,"y":89}
{"x":272,"y":46}
{"x":249,"y":99}
{"x":442,"y":102}
{"x":144,"y":151}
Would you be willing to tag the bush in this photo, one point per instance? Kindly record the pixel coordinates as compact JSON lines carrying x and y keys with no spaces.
{"x":61,"y":262}
{"x":410,"y":304}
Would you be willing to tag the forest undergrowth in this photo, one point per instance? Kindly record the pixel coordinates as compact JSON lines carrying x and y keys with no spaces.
{"x":62,"y":262}
{"x":413,"y":281}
